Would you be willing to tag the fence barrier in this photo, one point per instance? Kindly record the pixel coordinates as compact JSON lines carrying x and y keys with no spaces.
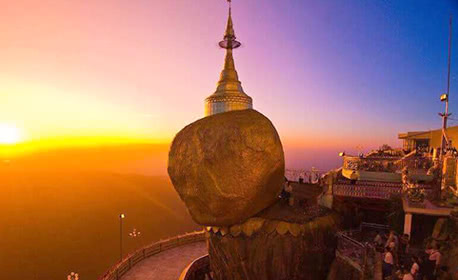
{"x":360,"y":255}
{"x":126,"y":264}
{"x":197,"y":269}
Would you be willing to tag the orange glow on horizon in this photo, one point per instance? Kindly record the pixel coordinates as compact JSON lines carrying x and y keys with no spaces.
{"x":10,"y":150}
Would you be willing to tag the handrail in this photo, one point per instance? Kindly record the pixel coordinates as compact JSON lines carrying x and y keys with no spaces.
{"x":123,"y":266}
{"x":198,"y":268}
{"x":370,"y":189}
{"x":374,"y":226}
{"x":357,"y":253}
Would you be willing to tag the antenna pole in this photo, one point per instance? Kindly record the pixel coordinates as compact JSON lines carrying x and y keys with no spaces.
{"x":448,"y":74}
{"x":444,"y":142}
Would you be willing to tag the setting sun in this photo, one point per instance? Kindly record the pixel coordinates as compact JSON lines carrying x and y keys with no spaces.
{"x":9,"y":134}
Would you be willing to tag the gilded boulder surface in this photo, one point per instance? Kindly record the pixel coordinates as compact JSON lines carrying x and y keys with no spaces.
{"x":276,"y":250}
{"x":227,"y":167}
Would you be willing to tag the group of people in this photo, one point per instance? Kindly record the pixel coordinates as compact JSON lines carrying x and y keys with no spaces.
{"x":399,"y":263}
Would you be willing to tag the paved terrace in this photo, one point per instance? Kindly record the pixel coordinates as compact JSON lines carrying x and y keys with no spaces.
{"x":163,"y":260}
{"x":167,"y":265}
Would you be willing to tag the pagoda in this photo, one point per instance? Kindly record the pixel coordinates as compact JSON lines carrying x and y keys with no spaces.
{"x":229,"y":94}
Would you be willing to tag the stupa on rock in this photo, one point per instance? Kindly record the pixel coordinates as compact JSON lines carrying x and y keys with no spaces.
{"x":229,"y":94}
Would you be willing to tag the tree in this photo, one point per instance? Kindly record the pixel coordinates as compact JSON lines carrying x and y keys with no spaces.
{"x":385,"y":147}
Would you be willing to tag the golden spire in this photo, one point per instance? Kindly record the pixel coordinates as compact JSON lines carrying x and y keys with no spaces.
{"x":229,"y":94}
{"x":229,"y":34}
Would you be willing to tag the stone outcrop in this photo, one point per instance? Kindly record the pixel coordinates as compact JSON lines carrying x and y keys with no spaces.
{"x":274,"y":249}
{"x":227,"y":167}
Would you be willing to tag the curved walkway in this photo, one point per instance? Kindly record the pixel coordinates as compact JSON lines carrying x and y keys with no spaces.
{"x":167,"y":265}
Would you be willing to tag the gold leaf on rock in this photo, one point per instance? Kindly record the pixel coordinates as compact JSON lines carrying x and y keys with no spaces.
{"x":294,"y":229}
{"x":282,"y":228}
{"x":236,"y":230}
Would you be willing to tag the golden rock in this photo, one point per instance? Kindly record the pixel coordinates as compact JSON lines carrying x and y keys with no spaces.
{"x":236,"y":230}
{"x":227,"y":167}
{"x":271,"y":226}
{"x":294,"y":229}
{"x":282,"y":228}
{"x":252,"y":225}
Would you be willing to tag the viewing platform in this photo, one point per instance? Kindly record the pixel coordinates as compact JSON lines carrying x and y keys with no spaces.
{"x":165,"y":259}
{"x":167,"y":265}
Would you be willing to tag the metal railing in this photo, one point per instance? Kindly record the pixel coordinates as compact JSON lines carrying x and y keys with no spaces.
{"x":198,"y":269}
{"x":367,"y":191}
{"x":308,"y":176}
{"x":363,"y":189}
{"x":374,"y":164}
{"x":386,"y":164}
{"x":357,"y":253}
{"x":375,"y":227}
{"x":351,"y":250}
{"x":122,"y":267}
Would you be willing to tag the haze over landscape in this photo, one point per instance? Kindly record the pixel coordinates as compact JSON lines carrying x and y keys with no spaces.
{"x":93,"y":92}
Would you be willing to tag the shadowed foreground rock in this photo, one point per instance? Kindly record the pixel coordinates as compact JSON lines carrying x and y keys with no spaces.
{"x":227,"y":167}
{"x":341,"y":270}
{"x":272,"y":249}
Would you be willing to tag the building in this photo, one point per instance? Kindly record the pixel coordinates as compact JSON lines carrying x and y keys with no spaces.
{"x":229,"y":94}
{"x":427,"y":139}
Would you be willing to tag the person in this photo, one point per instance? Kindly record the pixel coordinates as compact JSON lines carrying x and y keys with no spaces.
{"x":432,"y":262}
{"x":403,"y":249}
{"x":415,"y":268}
{"x":422,"y":263}
{"x":289,"y":190}
{"x":408,"y":276}
{"x":404,"y":244}
{"x":378,"y":241}
{"x":285,"y":194}
{"x":388,"y":263}
{"x":301,"y":180}
{"x":392,"y":240}
{"x":444,"y":274}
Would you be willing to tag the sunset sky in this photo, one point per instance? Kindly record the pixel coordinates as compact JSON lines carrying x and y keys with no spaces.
{"x":330,"y":75}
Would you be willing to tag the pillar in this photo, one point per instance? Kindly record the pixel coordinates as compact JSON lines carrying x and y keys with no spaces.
{"x":408,"y":223}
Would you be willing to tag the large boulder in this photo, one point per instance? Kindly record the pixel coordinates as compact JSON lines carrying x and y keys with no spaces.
{"x":227,"y":167}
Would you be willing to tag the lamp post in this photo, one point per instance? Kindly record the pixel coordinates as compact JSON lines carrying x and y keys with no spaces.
{"x":121,"y":217}
{"x":445,"y":97}
{"x":135,"y":234}
{"x":73,"y":276}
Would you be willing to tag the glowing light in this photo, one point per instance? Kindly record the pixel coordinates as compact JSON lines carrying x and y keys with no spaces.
{"x":9,"y":134}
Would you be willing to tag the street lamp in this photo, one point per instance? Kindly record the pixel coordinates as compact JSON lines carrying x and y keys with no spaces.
{"x":135,"y":234}
{"x":121,"y":217}
{"x":73,"y":276}
{"x":444,"y":97}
